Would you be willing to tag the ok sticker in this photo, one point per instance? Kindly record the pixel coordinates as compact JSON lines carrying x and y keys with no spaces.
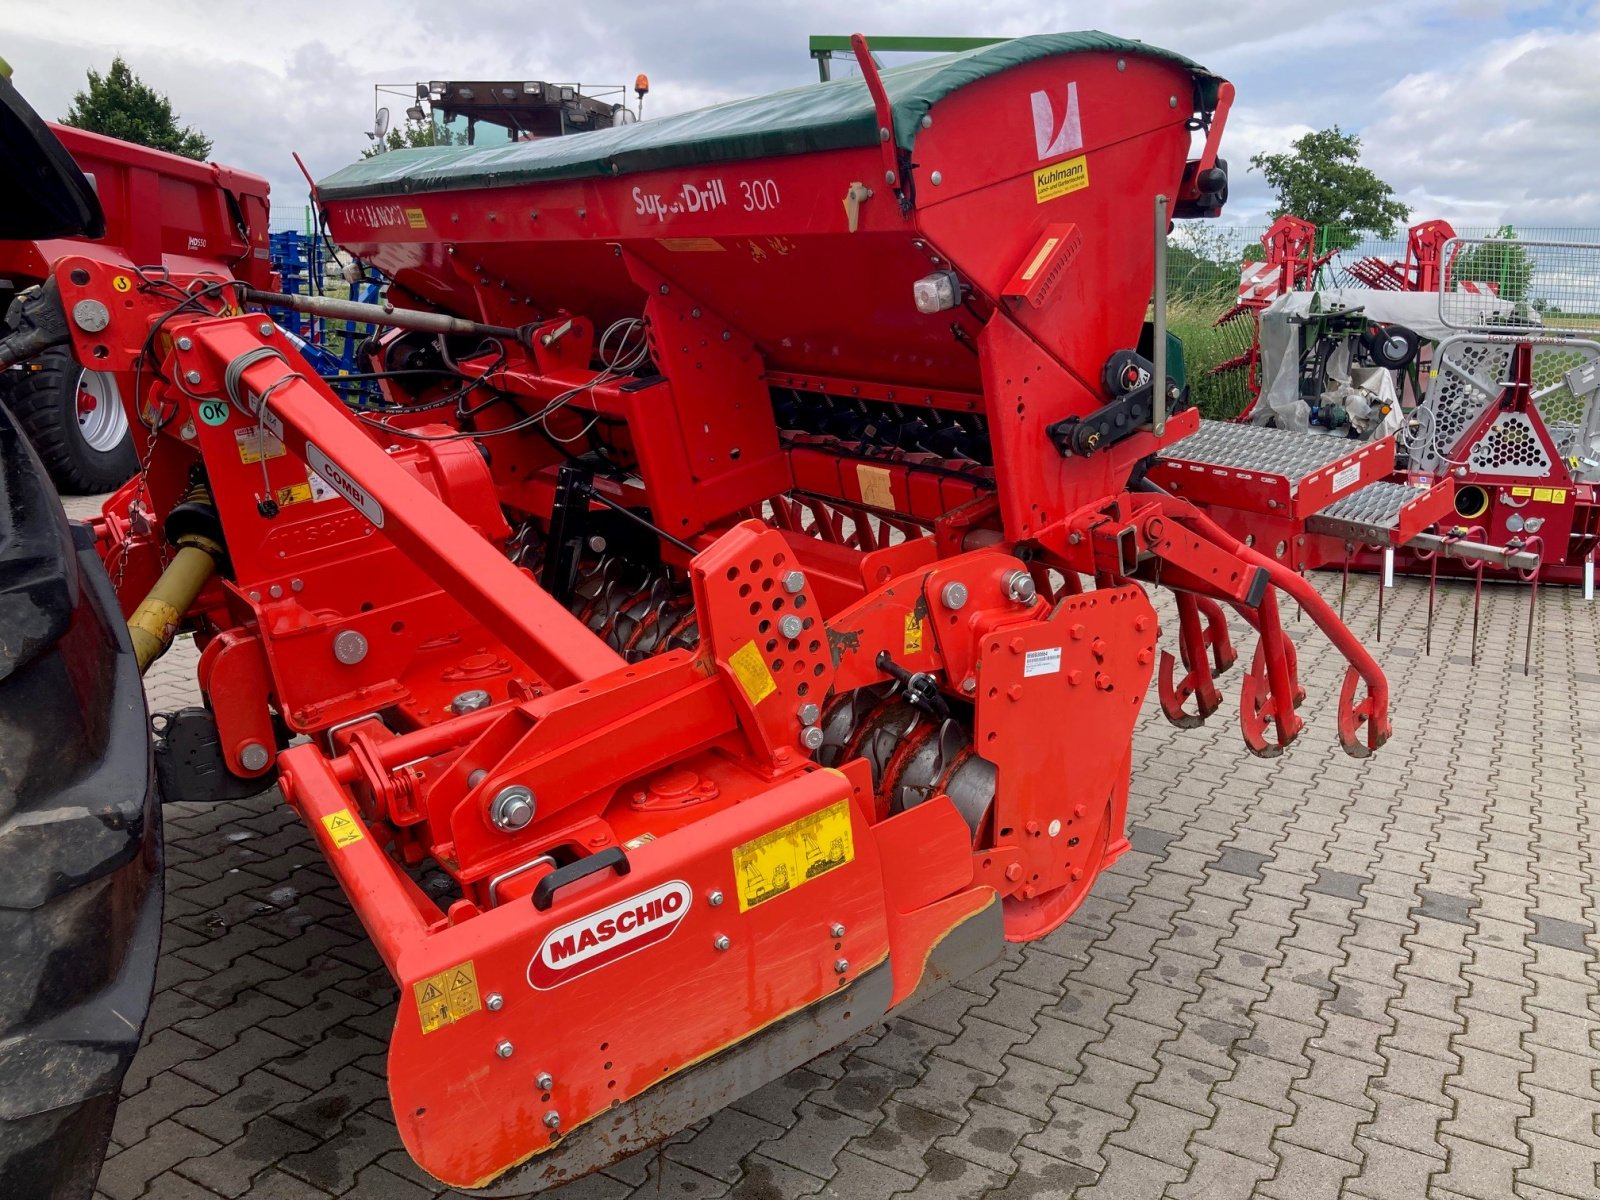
{"x":214,"y":412}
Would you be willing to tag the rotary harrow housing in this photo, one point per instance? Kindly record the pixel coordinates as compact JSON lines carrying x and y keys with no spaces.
{"x":740,"y":593}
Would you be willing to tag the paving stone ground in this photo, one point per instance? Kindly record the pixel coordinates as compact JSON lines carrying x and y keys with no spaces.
{"x":1312,"y":976}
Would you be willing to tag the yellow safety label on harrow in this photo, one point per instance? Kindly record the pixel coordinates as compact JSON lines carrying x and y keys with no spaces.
{"x":255,"y":444}
{"x":877,"y":486}
{"x":416,"y":218}
{"x":782,"y":860}
{"x":446,"y":997}
{"x":342,"y":828}
{"x":750,"y":669}
{"x":913,"y":633}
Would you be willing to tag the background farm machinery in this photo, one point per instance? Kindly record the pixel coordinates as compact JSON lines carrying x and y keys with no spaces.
{"x":1482,"y":364}
{"x":740,"y":587}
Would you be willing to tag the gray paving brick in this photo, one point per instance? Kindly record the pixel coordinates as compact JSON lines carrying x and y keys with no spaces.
{"x":124,"y":1175}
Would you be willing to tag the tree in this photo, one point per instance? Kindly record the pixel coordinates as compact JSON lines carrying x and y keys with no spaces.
{"x":1322,"y":181}
{"x":118,"y":104}
{"x":415,"y":133}
{"x":1500,"y":261}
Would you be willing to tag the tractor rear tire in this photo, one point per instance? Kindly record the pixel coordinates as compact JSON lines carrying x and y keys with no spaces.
{"x":80,"y":842}
{"x":86,"y":446}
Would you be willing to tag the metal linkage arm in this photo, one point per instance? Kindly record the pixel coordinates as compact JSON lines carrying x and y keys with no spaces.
{"x":237,"y":362}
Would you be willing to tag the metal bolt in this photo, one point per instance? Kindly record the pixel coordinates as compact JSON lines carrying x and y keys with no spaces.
{"x":552,"y":1119}
{"x":969,"y":685}
{"x":794,"y":581}
{"x":477,"y":777}
{"x":790,"y":626}
{"x":296,"y":585}
{"x":883,"y":134}
{"x":253,"y":756}
{"x":597,"y":544}
{"x":185,"y":343}
{"x":722,"y":942}
{"x":1055,"y":828}
{"x":470,"y":701}
{"x":811,"y":737}
{"x":694,"y":312}
{"x":91,"y":316}
{"x":275,"y":591}
{"x":1019,"y":586}
{"x":512,"y":809}
{"x":808,"y":713}
{"x":841,"y":966}
{"x":504,"y":1049}
{"x":714,"y":899}
{"x":888,"y":177}
{"x":953,"y":595}
{"x":544,"y":1081}
{"x":494,"y":1001}
{"x":191,"y":376}
{"x":1172,"y":102}
{"x":664,"y":289}
{"x":837,"y":930}
{"x":936,"y":178}
{"x":264,"y":329}
{"x":1122,"y":64}
{"x":927,"y":121}
{"x":349,"y":647}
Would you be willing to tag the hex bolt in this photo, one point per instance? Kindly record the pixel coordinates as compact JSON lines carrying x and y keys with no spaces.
{"x":504,"y":1049}
{"x":185,"y":343}
{"x":552,"y":1119}
{"x":264,"y":329}
{"x":544,"y":1081}
{"x":794,"y":581}
{"x":512,"y":809}
{"x":811,"y":737}
{"x":790,"y":626}
{"x":1020,"y":588}
{"x":714,"y":899}
{"x":953,"y":595}
{"x":275,"y":591}
{"x":841,"y":966}
{"x":721,"y":942}
{"x":837,"y":930}
{"x":191,"y":376}
{"x":809,"y":713}
{"x":297,"y":585}
{"x":936,"y":178}
{"x":494,"y":1001}
{"x":349,"y":647}
{"x":470,"y":701}
{"x":253,"y":756}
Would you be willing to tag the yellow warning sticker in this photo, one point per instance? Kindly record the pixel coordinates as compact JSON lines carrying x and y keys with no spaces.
{"x":255,"y":444}
{"x":342,"y":828}
{"x":782,"y":860}
{"x":122,"y":283}
{"x":446,"y":997}
{"x":1522,"y":491}
{"x":1550,"y":495}
{"x":913,"y":633}
{"x":1060,"y":179}
{"x":295,"y":493}
{"x":876,"y":485}
{"x":416,"y":218}
{"x":750,"y":669}
{"x":693,"y":245}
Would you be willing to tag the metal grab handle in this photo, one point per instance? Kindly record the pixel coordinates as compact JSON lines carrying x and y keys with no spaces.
{"x":544,"y":893}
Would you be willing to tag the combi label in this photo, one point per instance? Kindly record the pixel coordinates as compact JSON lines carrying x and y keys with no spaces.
{"x":602,"y":937}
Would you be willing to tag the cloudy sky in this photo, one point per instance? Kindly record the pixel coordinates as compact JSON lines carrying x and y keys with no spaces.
{"x":1478,"y":111}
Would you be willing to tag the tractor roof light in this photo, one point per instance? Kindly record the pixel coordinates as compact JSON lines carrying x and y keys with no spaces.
{"x":937,"y":292}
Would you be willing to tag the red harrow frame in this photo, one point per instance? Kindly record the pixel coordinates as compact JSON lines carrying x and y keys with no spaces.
{"x":827,"y":683}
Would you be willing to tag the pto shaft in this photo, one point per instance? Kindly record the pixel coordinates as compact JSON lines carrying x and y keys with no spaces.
{"x":155,"y":622}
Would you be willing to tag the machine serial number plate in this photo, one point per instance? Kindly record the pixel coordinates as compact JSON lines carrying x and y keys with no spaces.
{"x":794,"y":854}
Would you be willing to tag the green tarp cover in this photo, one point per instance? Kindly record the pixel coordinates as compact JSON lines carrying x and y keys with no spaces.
{"x":821,"y":116}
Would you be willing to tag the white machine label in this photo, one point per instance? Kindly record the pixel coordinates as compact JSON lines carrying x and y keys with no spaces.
{"x":602,"y":937}
{"x":1042,"y":662}
{"x":343,"y":484}
{"x":1343,"y":479}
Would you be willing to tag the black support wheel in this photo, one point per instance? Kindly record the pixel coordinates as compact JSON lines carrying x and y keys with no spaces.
{"x":75,"y":419}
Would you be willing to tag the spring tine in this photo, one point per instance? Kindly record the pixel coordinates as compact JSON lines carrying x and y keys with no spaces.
{"x":1533,"y":598}
{"x":1477,"y":601}
{"x":1344,"y":584}
{"x":1433,"y":586}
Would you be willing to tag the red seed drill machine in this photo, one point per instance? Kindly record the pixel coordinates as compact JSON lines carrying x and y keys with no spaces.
{"x":740,"y":591}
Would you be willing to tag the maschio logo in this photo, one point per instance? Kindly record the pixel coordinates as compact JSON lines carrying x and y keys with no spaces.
{"x":1050,"y":137}
{"x":591,"y":942}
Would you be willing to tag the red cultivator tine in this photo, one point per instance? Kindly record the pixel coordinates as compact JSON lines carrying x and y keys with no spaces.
{"x":1193,"y":644}
{"x":1271,"y":690}
{"x":1353,"y":714}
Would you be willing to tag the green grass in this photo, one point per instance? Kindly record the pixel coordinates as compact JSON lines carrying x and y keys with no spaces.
{"x":1219,"y":397}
